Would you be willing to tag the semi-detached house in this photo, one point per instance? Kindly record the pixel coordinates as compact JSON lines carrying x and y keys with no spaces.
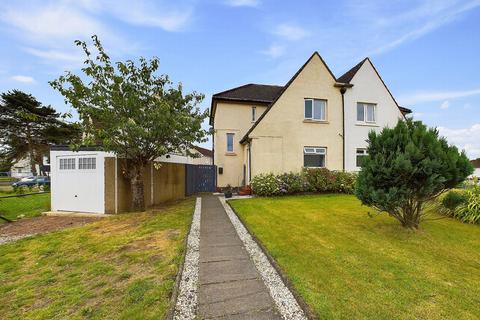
{"x":315,"y":120}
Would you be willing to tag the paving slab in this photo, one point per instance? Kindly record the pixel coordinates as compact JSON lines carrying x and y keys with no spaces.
{"x":230,"y":286}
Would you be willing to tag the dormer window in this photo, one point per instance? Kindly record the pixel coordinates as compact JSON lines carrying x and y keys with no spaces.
{"x":366,"y":112}
{"x":315,"y":109}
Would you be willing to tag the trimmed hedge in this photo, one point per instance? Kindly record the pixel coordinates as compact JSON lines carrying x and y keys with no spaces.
{"x":308,"y":180}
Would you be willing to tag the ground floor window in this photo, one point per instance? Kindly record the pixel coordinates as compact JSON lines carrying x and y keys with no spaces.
{"x":361,"y":154}
{"x":314,"y":157}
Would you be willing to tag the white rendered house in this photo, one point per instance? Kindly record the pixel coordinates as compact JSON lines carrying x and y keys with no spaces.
{"x":369,"y":105}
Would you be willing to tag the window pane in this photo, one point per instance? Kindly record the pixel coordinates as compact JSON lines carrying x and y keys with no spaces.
{"x":308,"y":109}
{"x":360,"y":112}
{"x":314,"y":160}
{"x":319,"y":110}
{"x":370,"y":113}
{"x":254,"y":111}
{"x":230,"y":142}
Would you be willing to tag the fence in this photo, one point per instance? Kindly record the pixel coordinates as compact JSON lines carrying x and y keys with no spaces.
{"x":16,"y":206}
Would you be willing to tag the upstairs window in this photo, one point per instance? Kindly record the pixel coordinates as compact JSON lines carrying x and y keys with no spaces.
{"x":254,"y":114}
{"x":366,"y":112}
{"x":229,"y":142}
{"x":316,"y":109}
{"x":361,"y":154}
{"x":314,"y":157}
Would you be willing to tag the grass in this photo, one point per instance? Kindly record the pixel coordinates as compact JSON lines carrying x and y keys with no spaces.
{"x":118,"y":268}
{"x":347,"y":265}
{"x":24,"y":207}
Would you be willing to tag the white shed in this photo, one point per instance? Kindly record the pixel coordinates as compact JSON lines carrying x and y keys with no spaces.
{"x":78,"y":179}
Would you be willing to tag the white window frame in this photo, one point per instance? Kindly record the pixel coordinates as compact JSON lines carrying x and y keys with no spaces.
{"x":365,"y":105}
{"x":233,"y":142}
{"x":364,"y":153}
{"x":312,"y":118}
{"x":254,"y":114}
{"x":315,"y":151}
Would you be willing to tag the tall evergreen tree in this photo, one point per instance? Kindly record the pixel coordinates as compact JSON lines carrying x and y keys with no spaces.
{"x":28,"y":128}
{"x":406,"y":167}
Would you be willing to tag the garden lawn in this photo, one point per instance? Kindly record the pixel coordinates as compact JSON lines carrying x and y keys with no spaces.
{"x":24,"y":207}
{"x":122,"y":267}
{"x":347,"y":265}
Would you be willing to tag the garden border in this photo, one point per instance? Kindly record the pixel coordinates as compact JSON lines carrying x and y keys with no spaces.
{"x":184,"y":298}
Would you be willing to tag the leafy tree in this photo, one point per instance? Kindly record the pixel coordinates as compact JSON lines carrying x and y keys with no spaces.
{"x":28,"y":129}
{"x":132,"y":111}
{"x":406,"y":167}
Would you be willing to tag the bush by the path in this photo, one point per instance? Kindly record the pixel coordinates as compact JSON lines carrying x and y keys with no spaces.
{"x":462,"y":205}
{"x":308,"y":180}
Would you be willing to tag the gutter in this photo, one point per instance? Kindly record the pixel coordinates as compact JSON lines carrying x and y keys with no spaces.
{"x":343,"y":89}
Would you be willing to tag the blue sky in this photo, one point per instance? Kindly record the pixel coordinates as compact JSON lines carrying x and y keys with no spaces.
{"x":426,"y":51}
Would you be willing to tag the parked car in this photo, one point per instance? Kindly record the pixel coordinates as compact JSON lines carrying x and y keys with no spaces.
{"x":32,"y":181}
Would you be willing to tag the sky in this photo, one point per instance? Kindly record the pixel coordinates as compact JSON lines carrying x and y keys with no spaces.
{"x":427,"y":52}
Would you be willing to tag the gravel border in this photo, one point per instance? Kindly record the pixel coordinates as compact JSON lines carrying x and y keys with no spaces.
{"x":283,"y":297}
{"x":8,"y":239}
{"x":186,"y":305}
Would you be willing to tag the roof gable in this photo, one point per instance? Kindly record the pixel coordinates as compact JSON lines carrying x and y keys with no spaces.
{"x":315,"y":54}
{"x":350,"y":75}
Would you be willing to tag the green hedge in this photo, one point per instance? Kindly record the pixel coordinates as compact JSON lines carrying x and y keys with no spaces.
{"x":308,"y":180}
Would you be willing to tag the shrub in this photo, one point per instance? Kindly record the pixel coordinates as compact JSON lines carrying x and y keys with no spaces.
{"x":265,"y":185}
{"x":309,"y":180}
{"x":291,"y":183}
{"x":453,"y":199}
{"x":406,"y":167}
{"x":469,"y":210}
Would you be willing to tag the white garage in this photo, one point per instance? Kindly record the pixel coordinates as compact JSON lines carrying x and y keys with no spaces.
{"x":78,"y":180}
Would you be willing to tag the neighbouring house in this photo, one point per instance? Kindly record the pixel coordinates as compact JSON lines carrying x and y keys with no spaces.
{"x":476,"y":165}
{"x":22,"y":168}
{"x":315,"y":120}
{"x":202,"y":156}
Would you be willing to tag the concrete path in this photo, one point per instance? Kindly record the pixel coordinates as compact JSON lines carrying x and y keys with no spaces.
{"x":230,"y":286}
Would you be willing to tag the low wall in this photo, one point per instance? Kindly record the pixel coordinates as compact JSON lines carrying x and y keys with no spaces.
{"x":161,"y":184}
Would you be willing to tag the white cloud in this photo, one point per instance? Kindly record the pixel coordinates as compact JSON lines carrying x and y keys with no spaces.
{"x":465,"y":139}
{"x":274,"y":51}
{"x":51,"y":23}
{"x":152,"y":14}
{"x":431,"y":96}
{"x":24,"y":79}
{"x":55,"y":55}
{"x":445,"y":104}
{"x":385,"y":25}
{"x":290,"y":32}
{"x":243,"y":3}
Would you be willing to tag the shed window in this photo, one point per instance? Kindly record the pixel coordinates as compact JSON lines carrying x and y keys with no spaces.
{"x":316,"y":109}
{"x":229,"y":142}
{"x":314,"y":157}
{"x":87,"y":163}
{"x":67,"y":164}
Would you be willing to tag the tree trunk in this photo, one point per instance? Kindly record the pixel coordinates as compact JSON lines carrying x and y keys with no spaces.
{"x":136,"y":182}
{"x":411,"y":215}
